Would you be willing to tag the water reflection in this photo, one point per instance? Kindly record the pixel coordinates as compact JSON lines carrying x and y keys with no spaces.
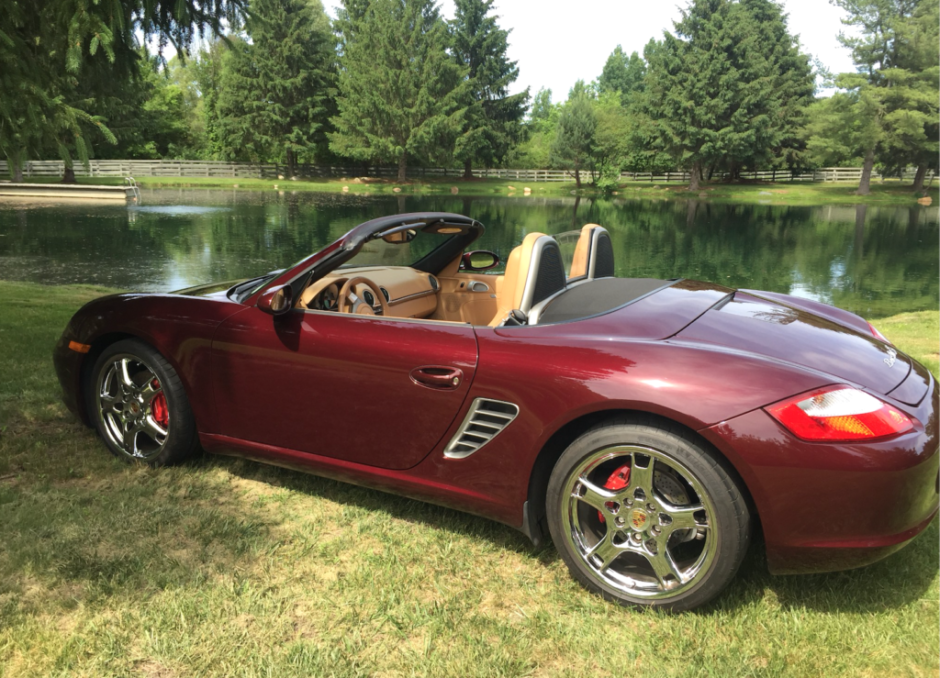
{"x":875,"y":261}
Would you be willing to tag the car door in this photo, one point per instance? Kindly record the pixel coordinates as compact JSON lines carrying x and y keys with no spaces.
{"x":371,"y":390}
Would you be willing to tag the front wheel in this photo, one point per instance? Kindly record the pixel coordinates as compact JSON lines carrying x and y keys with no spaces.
{"x":139,"y":406}
{"x":647,"y":516}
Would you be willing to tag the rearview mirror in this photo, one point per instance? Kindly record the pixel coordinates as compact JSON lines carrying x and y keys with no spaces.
{"x":479,"y":260}
{"x":276,"y":300}
{"x":400,"y":237}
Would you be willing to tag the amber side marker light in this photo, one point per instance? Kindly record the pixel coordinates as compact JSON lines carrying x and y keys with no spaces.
{"x":839,"y":414}
{"x":79,"y":348}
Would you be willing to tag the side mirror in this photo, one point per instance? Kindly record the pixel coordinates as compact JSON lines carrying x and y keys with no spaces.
{"x":276,"y":300}
{"x":479,"y":260}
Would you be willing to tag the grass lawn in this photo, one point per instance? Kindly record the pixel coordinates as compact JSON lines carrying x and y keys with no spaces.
{"x":891,"y":192}
{"x":223,"y":567}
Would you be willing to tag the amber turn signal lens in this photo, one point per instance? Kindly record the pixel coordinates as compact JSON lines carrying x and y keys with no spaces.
{"x":79,"y":348}
{"x":839,"y":414}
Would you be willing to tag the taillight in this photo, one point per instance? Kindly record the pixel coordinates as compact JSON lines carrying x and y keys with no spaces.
{"x":877,"y":334}
{"x":839,"y":414}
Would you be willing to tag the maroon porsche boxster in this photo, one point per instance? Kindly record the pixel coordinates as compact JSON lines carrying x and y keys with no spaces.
{"x":647,"y":426}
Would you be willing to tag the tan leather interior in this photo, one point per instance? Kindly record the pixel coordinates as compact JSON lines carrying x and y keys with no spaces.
{"x":582,"y":253}
{"x":410,"y":292}
{"x":509,"y":296}
{"x":460,"y":297}
{"x":462,"y":301}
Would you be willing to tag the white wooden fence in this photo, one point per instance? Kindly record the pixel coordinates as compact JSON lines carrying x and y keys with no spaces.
{"x":245,"y":170}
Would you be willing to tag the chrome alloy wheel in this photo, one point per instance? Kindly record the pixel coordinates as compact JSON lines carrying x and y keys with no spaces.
{"x":654,"y":537}
{"x":132,"y":406}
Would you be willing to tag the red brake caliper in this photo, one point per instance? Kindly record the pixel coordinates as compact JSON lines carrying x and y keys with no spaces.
{"x":161,"y":413}
{"x":618,"y":480}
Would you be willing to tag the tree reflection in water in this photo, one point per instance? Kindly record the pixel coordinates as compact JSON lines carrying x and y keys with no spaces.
{"x":875,"y":261}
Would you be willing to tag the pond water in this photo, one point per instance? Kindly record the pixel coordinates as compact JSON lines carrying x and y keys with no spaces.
{"x":875,"y":261}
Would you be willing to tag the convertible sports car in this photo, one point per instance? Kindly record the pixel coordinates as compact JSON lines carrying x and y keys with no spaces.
{"x":646,"y":426}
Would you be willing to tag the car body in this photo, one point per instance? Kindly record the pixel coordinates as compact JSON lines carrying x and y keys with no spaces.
{"x":384,"y":401}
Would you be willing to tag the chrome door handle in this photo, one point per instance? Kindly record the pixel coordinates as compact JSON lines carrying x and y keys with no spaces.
{"x":438,"y":377}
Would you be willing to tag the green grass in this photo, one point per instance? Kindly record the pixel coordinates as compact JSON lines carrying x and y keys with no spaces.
{"x":223,"y":567}
{"x":891,"y":192}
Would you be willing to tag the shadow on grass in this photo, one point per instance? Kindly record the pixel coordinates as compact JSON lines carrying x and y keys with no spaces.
{"x":894,"y":582}
{"x":899,"y":580}
{"x":104,"y":530}
{"x":395,"y":506}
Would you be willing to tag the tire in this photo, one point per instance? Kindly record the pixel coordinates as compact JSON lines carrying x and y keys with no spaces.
{"x":123,"y":393}
{"x":669,"y":532}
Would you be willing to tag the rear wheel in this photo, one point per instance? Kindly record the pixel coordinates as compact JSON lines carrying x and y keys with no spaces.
{"x":647,"y":516}
{"x":139,"y":406}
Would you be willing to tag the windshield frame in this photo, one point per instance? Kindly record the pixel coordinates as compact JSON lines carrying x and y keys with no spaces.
{"x":334,"y":255}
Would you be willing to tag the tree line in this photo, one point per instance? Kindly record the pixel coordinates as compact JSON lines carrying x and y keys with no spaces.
{"x":392,"y":82}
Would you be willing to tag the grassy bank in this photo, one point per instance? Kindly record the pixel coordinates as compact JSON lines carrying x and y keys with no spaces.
{"x":223,"y":567}
{"x":891,"y":192}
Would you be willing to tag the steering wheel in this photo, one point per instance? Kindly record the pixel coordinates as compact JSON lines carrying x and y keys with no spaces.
{"x":349,"y":302}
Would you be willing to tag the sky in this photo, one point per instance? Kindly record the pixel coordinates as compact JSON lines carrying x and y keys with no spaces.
{"x":557,"y":42}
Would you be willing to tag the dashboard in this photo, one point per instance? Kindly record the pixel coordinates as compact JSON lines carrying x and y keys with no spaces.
{"x":409,"y":293}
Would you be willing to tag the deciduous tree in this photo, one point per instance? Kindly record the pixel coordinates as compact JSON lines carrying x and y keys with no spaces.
{"x":573,"y":147}
{"x":623,"y":74}
{"x":45,"y":47}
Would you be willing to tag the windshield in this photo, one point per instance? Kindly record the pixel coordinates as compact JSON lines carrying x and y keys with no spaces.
{"x":381,"y":253}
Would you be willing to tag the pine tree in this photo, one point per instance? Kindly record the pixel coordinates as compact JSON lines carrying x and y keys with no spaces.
{"x":573,"y":146}
{"x":493,"y":121}
{"x":774,"y":55}
{"x":727,"y":86}
{"x":277,"y":91}
{"x":400,"y":93}
{"x":895,"y":53}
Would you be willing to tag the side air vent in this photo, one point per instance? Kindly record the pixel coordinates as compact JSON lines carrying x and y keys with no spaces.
{"x":485,"y":420}
{"x":385,"y":294}
{"x":433,"y":281}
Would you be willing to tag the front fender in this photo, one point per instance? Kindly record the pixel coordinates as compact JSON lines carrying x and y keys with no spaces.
{"x":179,"y":327}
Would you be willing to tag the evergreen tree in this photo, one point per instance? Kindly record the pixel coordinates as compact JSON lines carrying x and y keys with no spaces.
{"x":493,"y":121}
{"x":277,"y":91}
{"x":400,"y":93}
{"x":773,"y":53}
{"x":895,"y":52}
{"x":727,"y":86}
{"x":623,"y":74}
{"x":573,"y":146}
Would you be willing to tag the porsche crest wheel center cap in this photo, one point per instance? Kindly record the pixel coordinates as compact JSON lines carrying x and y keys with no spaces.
{"x":638,"y":519}
{"x":134,"y":408}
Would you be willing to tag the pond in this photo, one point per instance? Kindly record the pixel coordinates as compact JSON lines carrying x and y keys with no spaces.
{"x":874,"y":261}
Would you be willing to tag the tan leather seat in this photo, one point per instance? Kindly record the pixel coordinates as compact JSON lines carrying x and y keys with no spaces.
{"x":593,"y":255}
{"x":533,"y":272}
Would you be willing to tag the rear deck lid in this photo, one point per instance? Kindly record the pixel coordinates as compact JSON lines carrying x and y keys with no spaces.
{"x":755,"y":325}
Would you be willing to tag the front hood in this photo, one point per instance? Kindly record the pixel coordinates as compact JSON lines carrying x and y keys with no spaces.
{"x":787,"y":332}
